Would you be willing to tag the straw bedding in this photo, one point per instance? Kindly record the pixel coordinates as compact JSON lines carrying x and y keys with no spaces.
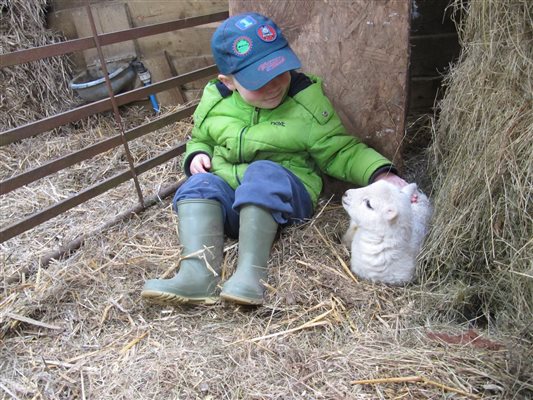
{"x":319,"y":331}
{"x":33,"y":90}
{"x":76,"y":328}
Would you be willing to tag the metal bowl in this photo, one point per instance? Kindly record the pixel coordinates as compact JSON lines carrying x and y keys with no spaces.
{"x":90,"y":84}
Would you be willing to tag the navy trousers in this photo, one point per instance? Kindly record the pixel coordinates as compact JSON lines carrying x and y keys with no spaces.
{"x":264,"y":184}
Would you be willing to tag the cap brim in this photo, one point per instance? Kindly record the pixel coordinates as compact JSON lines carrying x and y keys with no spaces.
{"x":258,"y":74}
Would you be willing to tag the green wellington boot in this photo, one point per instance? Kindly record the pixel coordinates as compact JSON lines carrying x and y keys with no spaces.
{"x":256,"y":234}
{"x":201,"y":232}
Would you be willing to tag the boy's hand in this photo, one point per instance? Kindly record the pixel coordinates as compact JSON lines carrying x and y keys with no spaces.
{"x":396,"y":181}
{"x":391,"y":178}
{"x":201,"y":163}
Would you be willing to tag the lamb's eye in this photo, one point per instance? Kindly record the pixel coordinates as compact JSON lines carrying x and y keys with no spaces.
{"x":367,"y":202}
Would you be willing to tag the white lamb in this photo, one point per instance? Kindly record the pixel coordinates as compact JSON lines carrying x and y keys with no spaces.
{"x":386,"y":231}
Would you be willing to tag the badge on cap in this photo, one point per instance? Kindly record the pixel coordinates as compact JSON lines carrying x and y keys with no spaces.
{"x":242,"y":45}
{"x":245,"y":23}
{"x":267,"y":33}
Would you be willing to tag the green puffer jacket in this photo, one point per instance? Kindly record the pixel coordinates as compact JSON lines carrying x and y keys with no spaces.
{"x":303,"y":134}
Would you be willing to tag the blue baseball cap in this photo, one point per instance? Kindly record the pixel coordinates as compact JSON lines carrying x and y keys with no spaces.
{"x":252,"y":48}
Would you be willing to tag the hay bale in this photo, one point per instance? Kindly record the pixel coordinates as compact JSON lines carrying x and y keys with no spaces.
{"x":36,"y":89}
{"x":478,"y":255}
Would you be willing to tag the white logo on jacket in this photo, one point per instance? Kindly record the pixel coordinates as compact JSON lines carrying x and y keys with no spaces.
{"x":386,"y":231}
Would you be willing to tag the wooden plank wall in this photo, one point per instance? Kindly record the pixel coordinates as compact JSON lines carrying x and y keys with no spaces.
{"x":434,"y":45}
{"x":164,"y":55}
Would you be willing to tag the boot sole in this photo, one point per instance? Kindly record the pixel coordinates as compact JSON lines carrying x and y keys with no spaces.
{"x":247,"y":301}
{"x":163,"y":298}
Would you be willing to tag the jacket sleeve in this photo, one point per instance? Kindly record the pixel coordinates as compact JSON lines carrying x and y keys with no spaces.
{"x":339,"y":154}
{"x":201,"y":141}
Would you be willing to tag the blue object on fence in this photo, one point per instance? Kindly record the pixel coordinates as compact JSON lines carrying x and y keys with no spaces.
{"x":146,"y":79}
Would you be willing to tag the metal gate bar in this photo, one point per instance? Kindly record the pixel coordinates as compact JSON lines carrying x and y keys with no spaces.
{"x":74,"y":244}
{"x":46,"y":124}
{"x":58,"y":164}
{"x":113,"y":102}
{"x":70,"y":46}
{"x":118,"y":120}
{"x":85,"y":195}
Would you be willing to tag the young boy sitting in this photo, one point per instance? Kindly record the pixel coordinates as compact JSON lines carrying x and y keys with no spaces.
{"x":262,"y":135}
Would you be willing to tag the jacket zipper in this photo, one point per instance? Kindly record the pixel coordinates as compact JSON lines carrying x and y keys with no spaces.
{"x":241,"y":134}
{"x":255,"y":118}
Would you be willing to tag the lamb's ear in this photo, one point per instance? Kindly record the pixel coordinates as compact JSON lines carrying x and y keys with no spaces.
{"x":410,"y":189}
{"x":391,"y":212}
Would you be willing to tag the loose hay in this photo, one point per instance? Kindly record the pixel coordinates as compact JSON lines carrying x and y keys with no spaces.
{"x":36,"y":89}
{"x":316,"y":334}
{"x":478,"y":258}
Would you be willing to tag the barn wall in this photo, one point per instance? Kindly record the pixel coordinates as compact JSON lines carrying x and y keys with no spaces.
{"x":434,"y":47}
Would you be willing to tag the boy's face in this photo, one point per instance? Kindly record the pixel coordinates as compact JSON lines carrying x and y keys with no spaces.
{"x":269,"y":96}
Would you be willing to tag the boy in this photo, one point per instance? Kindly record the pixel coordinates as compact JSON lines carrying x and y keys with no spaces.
{"x":262,"y":135}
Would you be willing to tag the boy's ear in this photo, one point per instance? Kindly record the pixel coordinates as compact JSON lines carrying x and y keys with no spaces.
{"x":227,"y":80}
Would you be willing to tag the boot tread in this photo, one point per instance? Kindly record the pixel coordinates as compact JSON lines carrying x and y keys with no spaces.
{"x":250,"y":301}
{"x":165,"y":298}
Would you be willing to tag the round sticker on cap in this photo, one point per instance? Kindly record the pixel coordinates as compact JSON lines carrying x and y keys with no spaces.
{"x":242,"y":45}
{"x":267,"y":33}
